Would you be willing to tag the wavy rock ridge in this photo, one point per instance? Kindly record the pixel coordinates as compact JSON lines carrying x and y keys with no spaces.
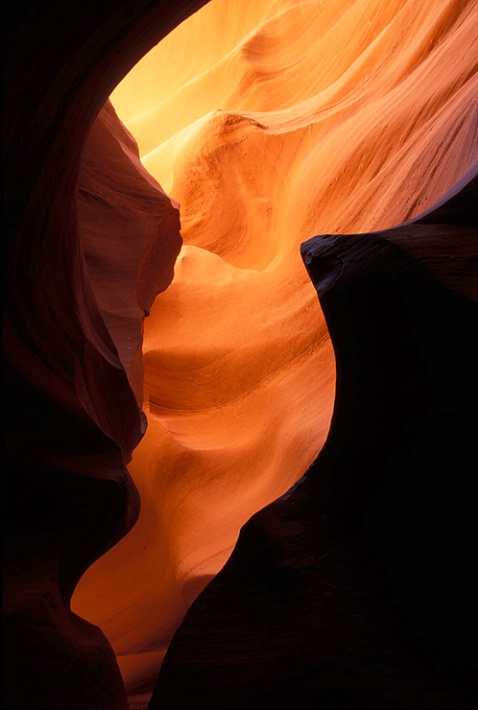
{"x":355,"y":589}
{"x":296,"y":119}
{"x":72,"y":420}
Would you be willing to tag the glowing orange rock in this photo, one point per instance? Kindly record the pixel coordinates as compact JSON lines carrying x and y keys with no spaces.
{"x":294,"y":119}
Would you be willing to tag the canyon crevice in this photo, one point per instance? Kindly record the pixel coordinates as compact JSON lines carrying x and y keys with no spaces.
{"x":260,"y":490}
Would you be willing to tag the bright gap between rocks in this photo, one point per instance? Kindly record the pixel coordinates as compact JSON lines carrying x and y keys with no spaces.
{"x":268,"y":123}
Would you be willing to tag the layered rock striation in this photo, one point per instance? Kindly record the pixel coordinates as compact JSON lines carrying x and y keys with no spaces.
{"x":357,"y":588}
{"x":72,"y":419}
{"x":129,"y":231}
{"x":296,"y":119}
{"x":344,"y":119}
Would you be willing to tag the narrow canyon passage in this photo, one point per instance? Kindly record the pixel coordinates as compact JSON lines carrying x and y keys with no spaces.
{"x":240,"y":347}
{"x":281,"y":120}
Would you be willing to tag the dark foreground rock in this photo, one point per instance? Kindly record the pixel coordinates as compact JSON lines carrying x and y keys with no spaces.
{"x":357,"y":588}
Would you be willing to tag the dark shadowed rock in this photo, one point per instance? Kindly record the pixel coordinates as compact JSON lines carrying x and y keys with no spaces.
{"x":71,"y":418}
{"x":357,"y":589}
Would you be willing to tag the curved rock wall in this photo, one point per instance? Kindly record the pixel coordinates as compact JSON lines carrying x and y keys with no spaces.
{"x":129,"y":231}
{"x":73,"y":420}
{"x":294,"y":119}
{"x":356,"y":585}
{"x":357,"y":588}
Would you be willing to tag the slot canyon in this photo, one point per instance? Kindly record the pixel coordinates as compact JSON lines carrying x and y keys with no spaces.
{"x":240,"y":355}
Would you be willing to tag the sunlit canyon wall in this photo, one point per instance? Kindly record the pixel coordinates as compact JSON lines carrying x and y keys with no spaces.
{"x":266,"y":123}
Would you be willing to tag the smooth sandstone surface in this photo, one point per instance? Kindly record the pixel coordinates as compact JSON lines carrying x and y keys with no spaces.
{"x":129,"y":231}
{"x":294,"y":118}
{"x":282,"y":120}
{"x":356,"y":589}
{"x":72,"y":419}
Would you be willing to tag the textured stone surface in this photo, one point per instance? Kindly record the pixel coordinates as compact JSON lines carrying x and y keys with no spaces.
{"x":72,"y":420}
{"x":294,"y":120}
{"x":357,"y":588}
{"x":129,"y":231}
